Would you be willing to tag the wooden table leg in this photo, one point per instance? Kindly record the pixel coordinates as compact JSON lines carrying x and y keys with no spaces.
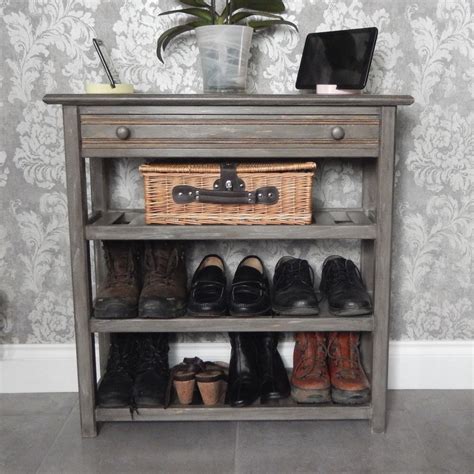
{"x":80,"y":266}
{"x":383,"y":253}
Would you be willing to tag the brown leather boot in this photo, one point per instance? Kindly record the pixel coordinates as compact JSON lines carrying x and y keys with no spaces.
{"x":349,"y":384}
{"x":117,"y":298}
{"x":164,"y":286}
{"x":310,"y":378}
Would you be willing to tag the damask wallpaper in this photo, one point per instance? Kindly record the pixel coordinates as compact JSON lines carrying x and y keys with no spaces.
{"x":425,"y":48}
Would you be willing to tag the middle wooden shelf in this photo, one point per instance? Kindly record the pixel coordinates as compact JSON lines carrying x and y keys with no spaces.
{"x":233,"y":324}
{"x":328,"y":224}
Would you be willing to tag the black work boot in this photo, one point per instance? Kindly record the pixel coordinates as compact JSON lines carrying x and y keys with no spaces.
{"x":117,"y":298}
{"x":243,"y":388}
{"x":274,"y":383}
{"x":115,"y":387}
{"x":344,"y":288}
{"x":164,"y":286}
{"x":153,"y":372}
{"x":293,"y":288}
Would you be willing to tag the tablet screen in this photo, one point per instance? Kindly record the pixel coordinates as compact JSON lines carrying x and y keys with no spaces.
{"x":342,"y":58}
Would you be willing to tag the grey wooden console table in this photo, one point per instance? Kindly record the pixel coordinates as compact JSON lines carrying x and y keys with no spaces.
{"x":103,"y":127}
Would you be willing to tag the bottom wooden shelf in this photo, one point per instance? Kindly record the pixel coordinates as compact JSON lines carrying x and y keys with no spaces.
{"x":285,"y":410}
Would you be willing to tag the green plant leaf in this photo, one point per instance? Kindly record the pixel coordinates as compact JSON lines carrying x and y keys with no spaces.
{"x":195,"y":3}
{"x":199,"y":12}
{"x":269,"y":6}
{"x":239,"y":16}
{"x":170,"y":34}
{"x":272,"y":6}
{"x":261,"y":24}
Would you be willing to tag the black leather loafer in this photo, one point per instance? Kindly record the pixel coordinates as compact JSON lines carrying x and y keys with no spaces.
{"x":293,"y":288}
{"x":344,"y":288}
{"x":250,"y":294}
{"x":208,"y":296}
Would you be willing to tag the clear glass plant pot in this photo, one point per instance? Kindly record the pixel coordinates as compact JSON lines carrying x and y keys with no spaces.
{"x":225,"y":53}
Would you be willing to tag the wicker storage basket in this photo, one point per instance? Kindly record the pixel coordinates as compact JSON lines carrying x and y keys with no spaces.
{"x":247,"y":193}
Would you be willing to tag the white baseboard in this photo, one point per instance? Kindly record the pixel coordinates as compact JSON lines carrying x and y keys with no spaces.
{"x":412,"y":364}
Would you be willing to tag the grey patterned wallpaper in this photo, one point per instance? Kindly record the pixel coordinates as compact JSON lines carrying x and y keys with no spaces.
{"x":425,"y":48}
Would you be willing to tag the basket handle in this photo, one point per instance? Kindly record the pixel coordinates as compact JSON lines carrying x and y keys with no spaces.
{"x":228,"y":189}
{"x":183,"y":194}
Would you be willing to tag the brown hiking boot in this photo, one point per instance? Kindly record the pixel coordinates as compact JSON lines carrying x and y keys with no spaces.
{"x":164,"y":281}
{"x":310,"y":378}
{"x":117,"y":298}
{"x":349,"y":384}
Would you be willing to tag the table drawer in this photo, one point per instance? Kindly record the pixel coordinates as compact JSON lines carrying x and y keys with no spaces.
{"x":239,"y":132}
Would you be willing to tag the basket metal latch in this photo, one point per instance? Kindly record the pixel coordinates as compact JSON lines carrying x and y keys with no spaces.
{"x":229,"y":181}
{"x":228,"y":189}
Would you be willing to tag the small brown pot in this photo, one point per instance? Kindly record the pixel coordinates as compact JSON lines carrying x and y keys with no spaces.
{"x":209,"y":384}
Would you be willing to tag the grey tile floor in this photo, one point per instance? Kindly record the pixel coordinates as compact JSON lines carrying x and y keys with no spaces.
{"x":428,"y":431}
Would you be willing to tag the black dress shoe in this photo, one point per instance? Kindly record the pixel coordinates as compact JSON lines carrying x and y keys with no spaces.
{"x":208,"y":296}
{"x":274,"y":383}
{"x":243,"y":385}
{"x":293,"y":288}
{"x":342,"y":283}
{"x":115,"y":388}
{"x":152,"y":373}
{"x":250,"y":294}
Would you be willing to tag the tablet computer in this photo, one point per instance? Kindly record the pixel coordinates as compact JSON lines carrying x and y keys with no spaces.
{"x":342,"y":58}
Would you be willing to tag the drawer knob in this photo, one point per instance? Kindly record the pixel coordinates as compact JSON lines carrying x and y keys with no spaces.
{"x":338,"y":133}
{"x":122,"y":132}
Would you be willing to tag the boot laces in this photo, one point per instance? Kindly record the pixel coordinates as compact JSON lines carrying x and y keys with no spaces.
{"x":120,"y":361}
{"x":297,"y":271}
{"x":349,"y":366}
{"x":153,"y":356}
{"x":342,"y":274}
{"x":318,"y":363}
{"x":160,"y":267}
{"x":117,"y":274}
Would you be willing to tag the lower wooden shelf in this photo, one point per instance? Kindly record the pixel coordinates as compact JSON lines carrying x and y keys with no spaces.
{"x":285,"y":410}
{"x":232,"y":324}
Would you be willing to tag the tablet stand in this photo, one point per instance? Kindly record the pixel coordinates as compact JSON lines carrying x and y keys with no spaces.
{"x":332,"y":89}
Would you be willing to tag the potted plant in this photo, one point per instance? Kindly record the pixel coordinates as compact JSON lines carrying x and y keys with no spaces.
{"x":224,"y":38}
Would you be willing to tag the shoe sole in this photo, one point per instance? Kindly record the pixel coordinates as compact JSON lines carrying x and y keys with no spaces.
{"x":113,"y":404}
{"x":311,"y":396}
{"x":206,"y":314}
{"x":347,"y":397}
{"x":242,"y":404}
{"x":310,"y":311}
{"x":161,"y":313}
{"x":274,"y":397}
{"x":147,"y":403}
{"x":265,"y":312}
{"x":350,"y":312}
{"x":115,"y":311}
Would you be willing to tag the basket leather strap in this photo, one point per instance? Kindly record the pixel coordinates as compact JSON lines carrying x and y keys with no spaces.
{"x":229,"y":181}
{"x":228,"y":189}
{"x":184,"y":194}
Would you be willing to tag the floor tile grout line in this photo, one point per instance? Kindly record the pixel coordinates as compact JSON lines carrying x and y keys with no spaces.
{"x":58,"y":434}
{"x":236,"y":446}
